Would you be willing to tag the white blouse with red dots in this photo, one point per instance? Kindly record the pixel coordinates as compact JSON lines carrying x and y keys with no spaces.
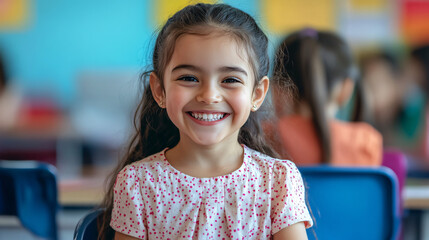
{"x":153,"y":200}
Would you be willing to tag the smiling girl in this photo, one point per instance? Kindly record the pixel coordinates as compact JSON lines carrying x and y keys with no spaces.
{"x":198,"y":167}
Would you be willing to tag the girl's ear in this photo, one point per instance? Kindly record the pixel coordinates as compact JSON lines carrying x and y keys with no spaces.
{"x":260,"y":92}
{"x":156,"y":89}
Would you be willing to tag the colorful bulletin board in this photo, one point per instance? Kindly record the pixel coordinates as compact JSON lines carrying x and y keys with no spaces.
{"x":166,"y":8}
{"x":13,"y":14}
{"x":284,"y":16}
{"x":415,"y":21}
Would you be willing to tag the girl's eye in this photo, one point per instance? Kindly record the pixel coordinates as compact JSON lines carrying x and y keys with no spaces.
{"x":188,"y":79}
{"x":231,"y":80}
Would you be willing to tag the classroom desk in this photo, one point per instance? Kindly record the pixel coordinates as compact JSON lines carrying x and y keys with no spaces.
{"x":416,"y":197}
{"x":58,"y":144}
{"x":80,"y":193}
{"x":86,"y":190}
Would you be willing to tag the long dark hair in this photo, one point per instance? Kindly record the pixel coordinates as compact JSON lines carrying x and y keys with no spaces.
{"x":315,"y":61}
{"x":154,"y":130}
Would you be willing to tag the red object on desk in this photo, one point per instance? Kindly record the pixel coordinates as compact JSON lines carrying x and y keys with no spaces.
{"x":39,"y":114}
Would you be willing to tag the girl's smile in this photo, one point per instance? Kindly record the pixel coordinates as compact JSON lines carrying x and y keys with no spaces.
{"x":208,"y":117}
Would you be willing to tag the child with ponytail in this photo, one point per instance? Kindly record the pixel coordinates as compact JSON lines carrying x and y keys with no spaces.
{"x":314,"y":76}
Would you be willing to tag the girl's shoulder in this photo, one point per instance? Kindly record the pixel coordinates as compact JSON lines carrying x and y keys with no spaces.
{"x":152,"y":162}
{"x":280,"y":172}
{"x":271,"y":164}
{"x":144,"y":171}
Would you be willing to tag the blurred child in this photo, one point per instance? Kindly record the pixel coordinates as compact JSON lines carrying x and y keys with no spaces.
{"x":380,"y":76}
{"x":396,"y":100}
{"x":321,"y":68}
{"x":414,"y":117}
{"x":198,"y":166}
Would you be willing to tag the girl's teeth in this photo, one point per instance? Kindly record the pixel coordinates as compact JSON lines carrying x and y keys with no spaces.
{"x":207,"y":117}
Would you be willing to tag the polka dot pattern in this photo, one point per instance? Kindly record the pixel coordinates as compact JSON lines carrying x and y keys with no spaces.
{"x":154,"y":200}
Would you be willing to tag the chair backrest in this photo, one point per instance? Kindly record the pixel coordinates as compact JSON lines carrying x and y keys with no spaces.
{"x":28,"y":190}
{"x":87,"y":227}
{"x":352,"y":203}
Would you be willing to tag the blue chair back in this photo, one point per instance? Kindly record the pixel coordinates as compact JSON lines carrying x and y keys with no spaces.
{"x":352,"y":203}
{"x":87,"y":228}
{"x":28,"y":190}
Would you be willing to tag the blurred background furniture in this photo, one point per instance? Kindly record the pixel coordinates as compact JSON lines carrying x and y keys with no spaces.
{"x":352,"y":203}
{"x":28,"y":190}
{"x":397,"y":161}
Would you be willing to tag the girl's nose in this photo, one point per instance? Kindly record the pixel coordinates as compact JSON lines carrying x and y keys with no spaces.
{"x":209,"y":94}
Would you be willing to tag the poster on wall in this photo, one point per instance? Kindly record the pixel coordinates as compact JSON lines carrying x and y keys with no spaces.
{"x":415,"y":21}
{"x":13,"y":14}
{"x":365,"y":22}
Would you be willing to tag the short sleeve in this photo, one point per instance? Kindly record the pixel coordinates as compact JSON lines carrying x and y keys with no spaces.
{"x":128,"y":206}
{"x":288,"y":197}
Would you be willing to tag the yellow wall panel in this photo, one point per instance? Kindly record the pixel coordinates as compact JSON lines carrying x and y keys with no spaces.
{"x":285,"y":15}
{"x":13,"y":13}
{"x":166,"y":8}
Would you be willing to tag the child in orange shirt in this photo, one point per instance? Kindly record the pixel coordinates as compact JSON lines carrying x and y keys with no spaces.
{"x":321,"y":67}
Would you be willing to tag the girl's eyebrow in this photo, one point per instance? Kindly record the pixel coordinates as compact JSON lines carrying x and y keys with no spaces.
{"x":222,"y":69}
{"x":186,"y":66}
{"x":233,"y":69}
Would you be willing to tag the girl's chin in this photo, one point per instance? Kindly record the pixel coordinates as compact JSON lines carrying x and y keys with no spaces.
{"x":211,"y":141}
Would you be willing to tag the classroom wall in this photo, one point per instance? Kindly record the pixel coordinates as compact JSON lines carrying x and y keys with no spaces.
{"x":62,"y":38}
{"x":56,"y":41}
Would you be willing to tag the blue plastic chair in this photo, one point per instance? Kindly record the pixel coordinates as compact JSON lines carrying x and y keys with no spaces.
{"x":352,"y":203}
{"x":87,"y":228}
{"x":28,"y":190}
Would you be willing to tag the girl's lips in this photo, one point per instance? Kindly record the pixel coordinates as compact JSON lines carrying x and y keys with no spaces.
{"x":208,"y":116}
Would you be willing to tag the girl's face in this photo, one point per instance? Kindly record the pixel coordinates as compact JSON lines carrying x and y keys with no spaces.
{"x":208,"y":88}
